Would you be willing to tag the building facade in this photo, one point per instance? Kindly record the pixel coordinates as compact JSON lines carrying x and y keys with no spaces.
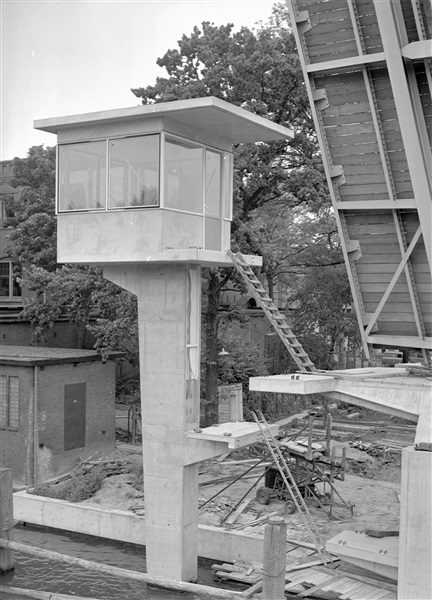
{"x":57,"y":407}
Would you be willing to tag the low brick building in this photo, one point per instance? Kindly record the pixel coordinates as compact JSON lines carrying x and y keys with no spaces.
{"x":57,"y":407}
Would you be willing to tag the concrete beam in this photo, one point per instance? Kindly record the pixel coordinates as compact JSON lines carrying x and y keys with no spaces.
{"x":293,"y":384}
{"x":388,"y":390}
{"x":417,"y":50}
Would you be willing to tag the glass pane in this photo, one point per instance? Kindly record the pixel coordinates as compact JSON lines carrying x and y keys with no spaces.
{"x":16,"y":288}
{"x":82,"y":176}
{"x":183,"y":176}
{"x":134,"y":171}
{"x":4,"y":280}
{"x":213,"y":184}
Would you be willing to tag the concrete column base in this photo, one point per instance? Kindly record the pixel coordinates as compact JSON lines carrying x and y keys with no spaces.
{"x":415,"y":560}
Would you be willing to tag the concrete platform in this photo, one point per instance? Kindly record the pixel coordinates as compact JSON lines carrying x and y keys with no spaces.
{"x":378,"y":555}
{"x":236,"y":435}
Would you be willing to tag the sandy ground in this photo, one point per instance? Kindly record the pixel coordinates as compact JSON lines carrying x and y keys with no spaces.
{"x":376,"y":502}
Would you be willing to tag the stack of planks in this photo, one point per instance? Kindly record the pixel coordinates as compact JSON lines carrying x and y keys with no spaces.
{"x":310,"y":580}
{"x":328,"y":584}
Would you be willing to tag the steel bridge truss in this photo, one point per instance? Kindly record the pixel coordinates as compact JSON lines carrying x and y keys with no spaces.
{"x":368,"y":71}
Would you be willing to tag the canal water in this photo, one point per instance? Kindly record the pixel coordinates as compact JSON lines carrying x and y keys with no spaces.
{"x":55,"y":577}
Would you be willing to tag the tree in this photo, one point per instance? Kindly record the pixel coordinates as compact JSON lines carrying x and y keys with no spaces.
{"x":324,"y":319}
{"x":104,"y":314}
{"x":259,"y":71}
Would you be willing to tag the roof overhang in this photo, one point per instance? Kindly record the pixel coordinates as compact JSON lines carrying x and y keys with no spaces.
{"x":215,"y":116}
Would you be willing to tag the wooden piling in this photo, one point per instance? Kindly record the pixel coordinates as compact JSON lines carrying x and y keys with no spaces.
{"x":274,"y":562}
{"x":7,"y":557}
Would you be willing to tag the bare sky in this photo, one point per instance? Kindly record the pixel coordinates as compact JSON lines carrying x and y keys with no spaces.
{"x":68,"y":57}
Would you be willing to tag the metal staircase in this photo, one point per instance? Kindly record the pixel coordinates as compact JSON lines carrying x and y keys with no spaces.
{"x":276,"y":318}
{"x":291,"y":484}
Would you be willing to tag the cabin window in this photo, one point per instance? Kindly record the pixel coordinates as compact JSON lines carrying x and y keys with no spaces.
{"x":183,"y":182}
{"x":134,"y":172}
{"x":82,"y":181}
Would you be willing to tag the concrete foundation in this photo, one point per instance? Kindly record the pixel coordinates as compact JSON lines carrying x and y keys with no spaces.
{"x":122,"y":526}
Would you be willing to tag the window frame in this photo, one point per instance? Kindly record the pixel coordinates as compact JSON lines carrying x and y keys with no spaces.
{"x":109,"y":208}
{"x":6,"y":403}
{"x":11,"y":297}
{"x":225,"y":186}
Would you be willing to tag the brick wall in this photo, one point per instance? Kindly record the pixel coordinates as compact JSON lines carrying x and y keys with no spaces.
{"x":17,"y":447}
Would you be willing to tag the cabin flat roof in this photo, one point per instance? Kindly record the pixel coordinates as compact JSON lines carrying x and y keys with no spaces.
{"x":211,"y":114}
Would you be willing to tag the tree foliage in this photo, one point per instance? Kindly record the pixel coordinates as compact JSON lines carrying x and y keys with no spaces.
{"x":281,"y":201}
{"x":324,"y":317}
{"x":104,"y":315}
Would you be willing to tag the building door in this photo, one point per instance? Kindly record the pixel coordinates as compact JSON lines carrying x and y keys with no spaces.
{"x":74,"y":415}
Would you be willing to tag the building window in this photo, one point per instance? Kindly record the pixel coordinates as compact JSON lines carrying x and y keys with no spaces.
{"x":9,"y":402}
{"x":9,"y":287}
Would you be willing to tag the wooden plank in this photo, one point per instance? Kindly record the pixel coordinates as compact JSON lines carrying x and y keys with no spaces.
{"x":321,"y":585}
{"x":361,"y":592}
{"x":364,"y":179}
{"x":235,"y":515}
{"x":326,"y":21}
{"x":355,"y":586}
{"x":375,"y":190}
{"x":368,"y":149}
{"x":398,"y":287}
{"x":337,"y":586}
{"x":315,"y":7}
{"x":320,"y":54}
{"x":318,"y":36}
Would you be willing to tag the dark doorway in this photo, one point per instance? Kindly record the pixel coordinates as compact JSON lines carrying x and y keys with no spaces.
{"x":74,"y":415}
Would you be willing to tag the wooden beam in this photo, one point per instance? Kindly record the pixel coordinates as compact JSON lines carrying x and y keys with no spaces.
{"x":395,"y":277}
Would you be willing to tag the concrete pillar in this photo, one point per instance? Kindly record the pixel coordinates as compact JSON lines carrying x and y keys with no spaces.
{"x":415,"y":560}
{"x":274,"y":560}
{"x":169,"y":301}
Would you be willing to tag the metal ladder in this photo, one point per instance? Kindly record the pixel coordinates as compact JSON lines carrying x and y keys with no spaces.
{"x":276,"y":318}
{"x":291,"y":485}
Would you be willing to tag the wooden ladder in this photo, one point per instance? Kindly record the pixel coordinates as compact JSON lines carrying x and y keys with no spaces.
{"x":291,"y":485}
{"x":276,"y":318}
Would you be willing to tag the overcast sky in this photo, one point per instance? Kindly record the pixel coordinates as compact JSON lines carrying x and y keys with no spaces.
{"x":68,"y":57}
